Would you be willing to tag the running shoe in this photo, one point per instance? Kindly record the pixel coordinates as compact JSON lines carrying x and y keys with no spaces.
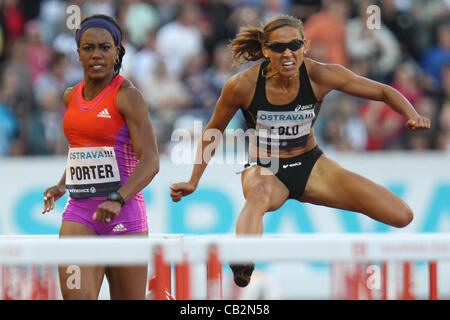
{"x":242,"y":273}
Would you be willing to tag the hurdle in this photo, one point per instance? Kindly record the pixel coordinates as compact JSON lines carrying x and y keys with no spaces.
{"x":402,"y":248}
{"x":215,"y":251}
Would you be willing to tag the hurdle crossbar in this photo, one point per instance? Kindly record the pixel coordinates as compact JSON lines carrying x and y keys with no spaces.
{"x":184,"y":251}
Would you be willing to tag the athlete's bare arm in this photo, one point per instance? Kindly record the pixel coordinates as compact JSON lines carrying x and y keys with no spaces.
{"x":57,"y":191}
{"x":133,"y":108}
{"x":236,"y":93}
{"x":327,"y":77}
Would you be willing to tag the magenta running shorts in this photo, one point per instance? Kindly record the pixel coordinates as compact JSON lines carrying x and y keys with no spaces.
{"x":132,"y":218}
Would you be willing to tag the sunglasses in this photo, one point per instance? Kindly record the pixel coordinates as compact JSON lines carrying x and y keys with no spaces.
{"x":280,"y":47}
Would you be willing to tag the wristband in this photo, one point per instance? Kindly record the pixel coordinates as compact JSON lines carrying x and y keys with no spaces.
{"x":116,"y":197}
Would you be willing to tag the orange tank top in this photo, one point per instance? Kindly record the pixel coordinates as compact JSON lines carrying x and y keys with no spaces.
{"x":101,"y":150}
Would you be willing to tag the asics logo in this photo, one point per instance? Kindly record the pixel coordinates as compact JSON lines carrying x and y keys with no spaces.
{"x":305,"y":107}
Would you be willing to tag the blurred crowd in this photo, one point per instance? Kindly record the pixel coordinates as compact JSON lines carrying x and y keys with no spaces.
{"x":176,"y":54}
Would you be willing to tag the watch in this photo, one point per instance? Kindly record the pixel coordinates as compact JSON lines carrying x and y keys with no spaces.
{"x":115,"y":196}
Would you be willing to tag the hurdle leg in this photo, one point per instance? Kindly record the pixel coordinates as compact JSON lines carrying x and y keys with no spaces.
{"x":162,"y":273}
{"x":407,"y":285}
{"x":433,"y":280}
{"x":182,"y":280}
{"x":214,"y":276}
{"x":384,"y":280}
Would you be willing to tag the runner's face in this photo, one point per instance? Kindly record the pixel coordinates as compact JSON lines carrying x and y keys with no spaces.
{"x":288,"y":62}
{"x":97,"y":53}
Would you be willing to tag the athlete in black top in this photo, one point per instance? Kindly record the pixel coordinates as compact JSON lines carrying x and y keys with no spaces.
{"x":283,"y":127}
{"x":324,"y":182}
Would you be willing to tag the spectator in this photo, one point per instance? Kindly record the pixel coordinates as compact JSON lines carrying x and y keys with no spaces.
{"x":271,"y":9}
{"x":353,"y":131}
{"x":405,"y":76}
{"x":64,"y":43}
{"x":21,"y":103}
{"x":443,"y":140}
{"x":343,"y":129}
{"x":219,"y":12}
{"x":145,"y":60}
{"x":106,"y":7}
{"x":13,"y":19}
{"x":39,"y":53}
{"x":167,"y":97}
{"x":203,"y":94}
{"x":384,"y":127}
{"x":191,"y":37}
{"x":327,"y":32}
{"x":140,"y":18}
{"x":425,"y":140}
{"x":221,"y":67}
{"x":445,"y":94}
{"x":177,"y":41}
{"x":436,"y":57}
{"x":52,"y":14}
{"x":49,"y":90}
{"x":304,"y":9}
{"x":378,"y":46}
{"x":246,"y":15}
{"x":8,"y":128}
{"x":403,"y":24}
{"x":15,"y":84}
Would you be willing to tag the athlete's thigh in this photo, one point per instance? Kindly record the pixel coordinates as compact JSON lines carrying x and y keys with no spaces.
{"x":128,"y":282}
{"x":333,"y":186}
{"x":260,"y":182}
{"x":78,"y":281}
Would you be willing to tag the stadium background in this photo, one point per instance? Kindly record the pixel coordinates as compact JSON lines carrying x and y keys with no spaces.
{"x":176,"y":54}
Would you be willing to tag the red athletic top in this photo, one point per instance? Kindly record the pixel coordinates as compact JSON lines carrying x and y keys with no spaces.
{"x":91,"y":125}
{"x":96,"y":122}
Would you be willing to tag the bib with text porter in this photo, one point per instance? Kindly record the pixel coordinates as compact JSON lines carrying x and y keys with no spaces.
{"x":92,"y":172}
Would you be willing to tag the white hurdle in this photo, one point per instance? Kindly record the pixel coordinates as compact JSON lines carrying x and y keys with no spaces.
{"x":214,"y":250}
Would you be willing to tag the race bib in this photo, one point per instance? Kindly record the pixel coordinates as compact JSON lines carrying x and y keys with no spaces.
{"x":92,"y":172}
{"x":284,"y":129}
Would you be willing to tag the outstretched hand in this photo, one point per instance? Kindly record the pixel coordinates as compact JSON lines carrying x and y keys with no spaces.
{"x":418,"y":123}
{"x":51,"y":195}
{"x":180,"y":190}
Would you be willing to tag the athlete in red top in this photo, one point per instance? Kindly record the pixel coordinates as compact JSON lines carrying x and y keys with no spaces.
{"x":113,"y":155}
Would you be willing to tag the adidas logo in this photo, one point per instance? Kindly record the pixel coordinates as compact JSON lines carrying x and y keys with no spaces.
{"x":103,"y":114}
{"x":119,"y":227}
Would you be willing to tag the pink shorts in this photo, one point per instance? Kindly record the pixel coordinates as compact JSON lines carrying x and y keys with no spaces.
{"x":132,"y":218}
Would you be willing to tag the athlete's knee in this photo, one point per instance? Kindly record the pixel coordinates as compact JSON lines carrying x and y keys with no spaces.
{"x":259,"y":191}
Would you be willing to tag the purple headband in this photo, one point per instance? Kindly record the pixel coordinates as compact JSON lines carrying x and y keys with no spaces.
{"x":99,"y":23}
